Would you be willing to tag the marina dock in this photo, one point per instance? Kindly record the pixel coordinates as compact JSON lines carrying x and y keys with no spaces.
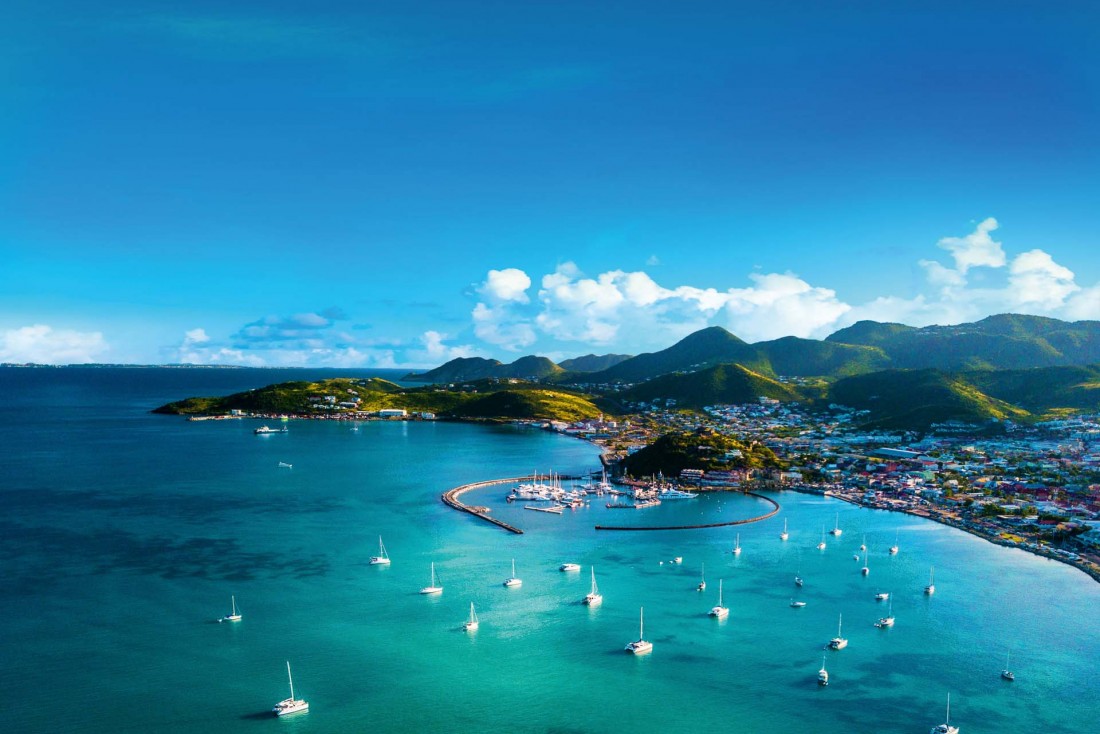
{"x":451,"y":499}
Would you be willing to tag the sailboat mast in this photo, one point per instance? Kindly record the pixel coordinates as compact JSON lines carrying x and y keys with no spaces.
{"x":641,"y":623}
{"x":290,"y":679}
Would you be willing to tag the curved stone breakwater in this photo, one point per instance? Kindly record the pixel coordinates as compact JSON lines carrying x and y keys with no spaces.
{"x":451,"y":499}
{"x":774,"y":504}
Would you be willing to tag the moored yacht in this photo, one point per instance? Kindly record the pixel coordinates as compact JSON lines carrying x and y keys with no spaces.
{"x":594,"y":597}
{"x":640,"y":646}
{"x":882,"y":596}
{"x":471,"y":624}
{"x":434,"y":587}
{"x":821,"y":545}
{"x":888,"y":620}
{"x":838,"y":642}
{"x":234,"y":613}
{"x":718,"y":611}
{"x":836,"y":527}
{"x":797,"y":604}
{"x":945,"y":727}
{"x":383,"y":558}
{"x":290,"y":705}
{"x":894,"y":547}
{"x":784,"y":535}
{"x":737,"y":545}
{"x":931,"y":588}
{"x":569,"y":567}
{"x":863,"y":545}
{"x":702,"y":579}
{"x":823,"y":675}
{"x":669,"y":493}
{"x":513,"y":580}
{"x":866,"y":569}
{"x":264,"y":430}
{"x":1007,"y":673}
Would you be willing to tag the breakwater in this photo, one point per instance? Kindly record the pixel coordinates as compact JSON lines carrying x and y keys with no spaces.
{"x":746,"y":521}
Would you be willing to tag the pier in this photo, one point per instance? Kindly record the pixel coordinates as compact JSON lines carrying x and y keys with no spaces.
{"x":758,"y":518}
{"x":451,"y":499}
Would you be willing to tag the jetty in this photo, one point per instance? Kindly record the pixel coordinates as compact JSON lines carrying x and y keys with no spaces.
{"x":758,"y":518}
{"x":451,"y":499}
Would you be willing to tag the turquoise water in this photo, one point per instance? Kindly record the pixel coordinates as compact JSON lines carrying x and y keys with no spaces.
{"x":125,"y":534}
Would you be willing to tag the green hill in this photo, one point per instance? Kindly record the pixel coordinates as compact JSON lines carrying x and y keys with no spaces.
{"x":704,"y":348}
{"x":466,"y":369}
{"x":919,"y":398}
{"x":528,"y":404}
{"x":1043,"y":389}
{"x":797,"y":357}
{"x":593,"y":362}
{"x":724,"y":383}
{"x":701,"y":449}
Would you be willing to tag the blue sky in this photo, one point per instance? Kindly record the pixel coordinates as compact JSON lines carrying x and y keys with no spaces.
{"x":392,"y":184}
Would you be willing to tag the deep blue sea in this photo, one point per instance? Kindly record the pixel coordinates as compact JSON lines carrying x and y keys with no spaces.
{"x":124,"y":534}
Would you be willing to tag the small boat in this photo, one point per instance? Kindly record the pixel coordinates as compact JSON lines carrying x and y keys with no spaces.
{"x":1007,"y":673}
{"x":569,"y":567}
{"x":513,"y":580}
{"x":284,"y":465}
{"x":594,"y":597}
{"x":434,"y":587}
{"x":931,"y":588}
{"x":234,"y":613}
{"x":737,"y":545}
{"x":784,"y":535}
{"x":945,"y":727}
{"x":471,"y":623}
{"x":798,"y":581}
{"x":894,"y":547}
{"x":863,"y":545}
{"x":265,"y":430}
{"x":888,"y":620}
{"x":702,"y":579}
{"x":821,"y":545}
{"x":836,"y":527}
{"x":838,"y":642}
{"x":290,"y":705}
{"x":882,"y":596}
{"x":865,"y":570}
{"x":823,"y":675}
{"x":678,"y":559}
{"x":383,"y":558}
{"x":640,"y":646}
{"x":855,"y":556}
{"x":718,"y":611}
{"x":797,"y":604}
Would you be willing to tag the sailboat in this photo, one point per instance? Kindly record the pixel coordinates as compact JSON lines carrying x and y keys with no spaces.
{"x":594,"y":597}
{"x":931,"y":588}
{"x":888,"y":620}
{"x":784,"y":535}
{"x":383,"y":558}
{"x":513,"y":580}
{"x":894,"y":547}
{"x":882,"y":596}
{"x":640,"y":646}
{"x":702,"y":579}
{"x":471,"y":623}
{"x":863,"y":545}
{"x":865,"y":570}
{"x":823,"y":675}
{"x":718,"y":611}
{"x":945,"y":727}
{"x":838,"y":642}
{"x":290,"y":705}
{"x":836,"y":527}
{"x":821,"y":545}
{"x":234,"y":613}
{"x":797,"y":604}
{"x":1007,"y":673}
{"x":737,"y":545}
{"x":432,"y":588}
{"x":798,"y":573}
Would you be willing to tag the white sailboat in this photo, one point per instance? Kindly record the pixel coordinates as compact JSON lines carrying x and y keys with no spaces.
{"x":594,"y":597}
{"x":838,"y":642}
{"x":888,"y":620}
{"x":569,"y":567}
{"x":821,"y":545}
{"x":797,"y":604}
{"x":1007,"y":673}
{"x":472,"y":623}
{"x":434,"y":587}
{"x":290,"y":705}
{"x":866,"y":569}
{"x":931,"y":588}
{"x":513,"y":580}
{"x":383,"y":558}
{"x":784,"y":535}
{"x":863,"y":545}
{"x":882,"y":596}
{"x":718,"y":611}
{"x":894,"y":547}
{"x":640,"y":646}
{"x":823,"y":675}
{"x":234,"y":613}
{"x":836,"y":527}
{"x":702,"y":579}
{"x":737,"y":545}
{"x":945,"y":727}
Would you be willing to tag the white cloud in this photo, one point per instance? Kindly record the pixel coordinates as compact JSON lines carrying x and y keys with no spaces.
{"x":45,"y":345}
{"x":506,"y":285}
{"x":976,"y":248}
{"x":1084,"y":304}
{"x":782,"y":305}
{"x":1037,"y":282}
{"x":195,"y":336}
{"x":501,"y":326}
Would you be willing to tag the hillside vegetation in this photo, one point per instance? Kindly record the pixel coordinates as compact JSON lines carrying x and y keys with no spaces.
{"x":701,"y":449}
{"x":724,"y":383}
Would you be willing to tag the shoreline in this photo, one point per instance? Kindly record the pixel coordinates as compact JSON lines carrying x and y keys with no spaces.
{"x":1082,"y":565}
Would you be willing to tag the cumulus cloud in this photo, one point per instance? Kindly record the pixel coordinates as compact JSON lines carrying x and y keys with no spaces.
{"x":781,"y":304}
{"x":506,"y":285}
{"x":497,"y":317}
{"x":1037,"y":282}
{"x":976,"y":248}
{"x":43,"y":344}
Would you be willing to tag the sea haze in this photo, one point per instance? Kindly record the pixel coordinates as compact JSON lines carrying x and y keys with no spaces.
{"x":126,"y":533}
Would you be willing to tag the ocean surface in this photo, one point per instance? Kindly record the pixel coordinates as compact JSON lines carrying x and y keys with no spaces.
{"x":125,"y":533}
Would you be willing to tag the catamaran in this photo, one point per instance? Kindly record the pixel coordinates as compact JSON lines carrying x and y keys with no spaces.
{"x":290,"y":705}
{"x":821,"y":545}
{"x":702,"y":579}
{"x":434,"y":587}
{"x":945,"y":727}
{"x":823,"y":675}
{"x":836,"y":527}
{"x":594,"y":597}
{"x":784,"y":535}
{"x":234,"y":613}
{"x":513,"y":580}
{"x":718,"y":611}
{"x":838,"y":642}
{"x":894,"y":547}
{"x":383,"y":558}
{"x":640,"y":646}
{"x":931,"y":588}
{"x":737,"y":545}
{"x":865,"y":570}
{"x":882,"y":596}
{"x":471,"y":623}
{"x":888,"y":620}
